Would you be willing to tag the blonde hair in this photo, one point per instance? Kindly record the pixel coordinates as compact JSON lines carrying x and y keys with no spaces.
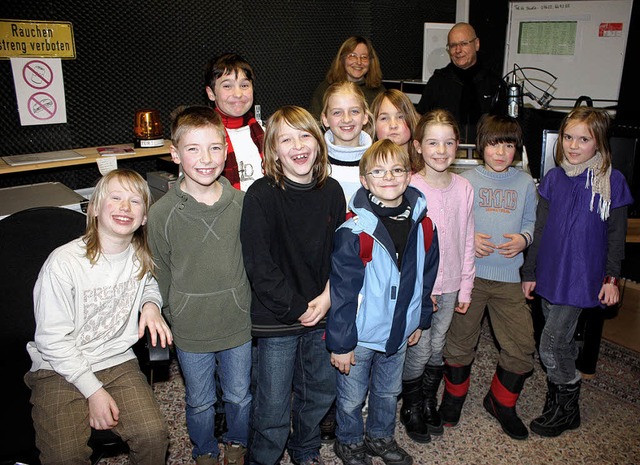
{"x":348,"y":87}
{"x":381,"y":151}
{"x":433,"y":117}
{"x":399,"y":100}
{"x":301,"y":119}
{"x":186,"y":118}
{"x":133,"y":182}
{"x":597,"y":121}
{"x":337,"y":71}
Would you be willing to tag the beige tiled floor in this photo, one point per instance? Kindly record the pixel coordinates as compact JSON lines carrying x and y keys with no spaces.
{"x":624,"y":328}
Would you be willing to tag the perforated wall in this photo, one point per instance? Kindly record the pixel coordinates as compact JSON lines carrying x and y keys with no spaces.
{"x":144,"y":54}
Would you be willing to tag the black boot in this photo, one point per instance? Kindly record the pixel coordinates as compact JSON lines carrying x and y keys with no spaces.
{"x":411,"y":411}
{"x":328,"y":426}
{"x":456,"y":386}
{"x":501,"y":400}
{"x":430,"y":383}
{"x":562,"y":413}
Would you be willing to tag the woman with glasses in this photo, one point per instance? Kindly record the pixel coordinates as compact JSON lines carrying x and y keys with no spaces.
{"x":465,"y":86}
{"x":356,"y":61}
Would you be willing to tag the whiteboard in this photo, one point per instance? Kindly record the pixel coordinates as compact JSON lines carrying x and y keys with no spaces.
{"x":581,"y":43}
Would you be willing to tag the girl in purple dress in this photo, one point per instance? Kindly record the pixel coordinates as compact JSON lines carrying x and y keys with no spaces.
{"x":575,"y":259}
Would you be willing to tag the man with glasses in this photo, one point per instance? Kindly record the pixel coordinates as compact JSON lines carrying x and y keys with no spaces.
{"x":465,"y":86}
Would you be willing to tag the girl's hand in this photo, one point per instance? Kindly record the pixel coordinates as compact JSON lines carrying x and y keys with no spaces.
{"x":609,"y":294}
{"x":462,"y":307}
{"x":317,"y":309}
{"x":415,"y":337}
{"x":514,"y":246}
{"x":528,"y":288}
{"x":343,"y":362}
{"x":151,"y":317}
{"x":484,"y":247}
{"x":103,"y":411}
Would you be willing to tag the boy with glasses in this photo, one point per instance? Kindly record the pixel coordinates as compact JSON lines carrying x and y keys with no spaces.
{"x":465,"y":86}
{"x":380,"y":302}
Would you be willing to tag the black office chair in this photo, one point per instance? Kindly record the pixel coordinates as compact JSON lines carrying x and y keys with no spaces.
{"x":27,"y":238}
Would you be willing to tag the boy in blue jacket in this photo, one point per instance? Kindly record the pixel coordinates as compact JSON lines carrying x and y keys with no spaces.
{"x":380,"y":302}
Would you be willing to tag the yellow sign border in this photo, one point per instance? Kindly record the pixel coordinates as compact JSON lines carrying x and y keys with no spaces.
{"x":36,"y":39}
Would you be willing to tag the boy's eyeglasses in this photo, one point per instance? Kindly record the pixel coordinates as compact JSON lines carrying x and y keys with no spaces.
{"x":356,"y":57}
{"x":395,"y":172}
{"x":463,"y":44}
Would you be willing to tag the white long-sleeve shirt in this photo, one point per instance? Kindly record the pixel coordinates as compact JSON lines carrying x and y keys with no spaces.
{"x":87,"y":315}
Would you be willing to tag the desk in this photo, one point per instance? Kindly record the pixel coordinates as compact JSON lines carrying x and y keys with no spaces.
{"x":633,"y":230}
{"x":90,"y":154}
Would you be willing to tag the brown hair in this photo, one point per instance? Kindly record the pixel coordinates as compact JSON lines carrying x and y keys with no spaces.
{"x":299,"y":118}
{"x":134,"y":182}
{"x":381,"y":151}
{"x":224,"y":64}
{"x":337,"y":72}
{"x":495,"y":129}
{"x":399,"y":100}
{"x":433,"y":117}
{"x":598,"y":121}
{"x":186,"y":118}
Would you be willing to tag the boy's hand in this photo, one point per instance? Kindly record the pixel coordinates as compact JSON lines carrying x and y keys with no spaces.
{"x":462,"y":307}
{"x":343,"y":362}
{"x":484,"y":246}
{"x":528,"y":288}
{"x":151,"y":317}
{"x":514,"y":246}
{"x":415,"y":337}
{"x":435,"y":303}
{"x":103,"y":411}
{"x":609,"y":294}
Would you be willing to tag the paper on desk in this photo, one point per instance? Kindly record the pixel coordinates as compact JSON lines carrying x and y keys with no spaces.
{"x":106,"y":164}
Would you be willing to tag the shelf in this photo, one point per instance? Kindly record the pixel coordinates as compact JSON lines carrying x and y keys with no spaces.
{"x":90,"y":154}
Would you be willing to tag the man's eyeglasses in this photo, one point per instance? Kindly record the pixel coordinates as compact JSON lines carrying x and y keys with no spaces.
{"x":462,"y":44}
{"x":356,"y":57}
{"x":395,"y":172}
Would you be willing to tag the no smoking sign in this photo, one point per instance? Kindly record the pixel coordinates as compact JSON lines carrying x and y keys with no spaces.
{"x":39,"y":90}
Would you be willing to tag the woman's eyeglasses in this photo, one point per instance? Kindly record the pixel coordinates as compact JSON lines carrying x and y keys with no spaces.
{"x":356,"y":57}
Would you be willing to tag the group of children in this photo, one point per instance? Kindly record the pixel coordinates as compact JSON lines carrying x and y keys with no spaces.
{"x":322,"y":284}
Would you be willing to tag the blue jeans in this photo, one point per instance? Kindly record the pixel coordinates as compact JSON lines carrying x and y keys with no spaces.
{"x":234,"y":370}
{"x":294,"y":388}
{"x":429,"y":349}
{"x":382,"y":377}
{"x":558,"y":348}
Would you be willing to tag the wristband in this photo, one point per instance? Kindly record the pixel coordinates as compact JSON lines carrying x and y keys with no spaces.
{"x":610,"y":280}
{"x":527,"y":239}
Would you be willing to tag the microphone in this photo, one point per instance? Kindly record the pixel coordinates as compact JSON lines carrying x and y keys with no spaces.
{"x":514,"y":98}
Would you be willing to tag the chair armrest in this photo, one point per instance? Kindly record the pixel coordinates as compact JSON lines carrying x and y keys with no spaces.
{"x":158,"y":353}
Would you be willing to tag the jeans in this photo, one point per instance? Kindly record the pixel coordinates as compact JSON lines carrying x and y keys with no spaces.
{"x":294,"y":388}
{"x":558,"y":349}
{"x":379,"y":374}
{"x":234,"y":370}
{"x":429,"y":349}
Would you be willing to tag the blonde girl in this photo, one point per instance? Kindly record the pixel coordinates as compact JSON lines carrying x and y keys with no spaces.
{"x":288,"y":220}
{"x":345,"y":116}
{"x":450,"y":202}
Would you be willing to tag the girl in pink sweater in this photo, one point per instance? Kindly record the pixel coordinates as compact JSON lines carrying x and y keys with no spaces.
{"x":450,"y":207}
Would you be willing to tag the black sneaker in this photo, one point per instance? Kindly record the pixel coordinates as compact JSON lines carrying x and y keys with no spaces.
{"x":352,"y":454}
{"x":388,"y":450}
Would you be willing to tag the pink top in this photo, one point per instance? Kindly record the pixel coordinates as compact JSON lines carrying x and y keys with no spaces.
{"x":451,"y":209}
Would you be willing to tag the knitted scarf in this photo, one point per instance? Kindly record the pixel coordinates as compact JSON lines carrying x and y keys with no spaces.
{"x":257,"y":135}
{"x":597,"y":178}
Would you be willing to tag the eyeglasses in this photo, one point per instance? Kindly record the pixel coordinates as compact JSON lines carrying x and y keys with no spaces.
{"x":462,"y":44}
{"x":395,"y":172}
{"x":356,"y":57}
